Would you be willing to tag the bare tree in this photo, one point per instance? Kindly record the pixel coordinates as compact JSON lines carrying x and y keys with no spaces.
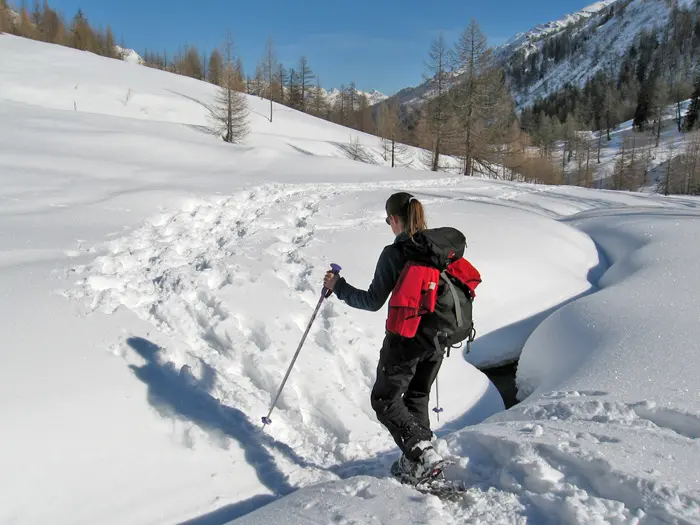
{"x":389,"y":129}
{"x":191,"y":64}
{"x":306,"y":77}
{"x":4,"y":25}
{"x":319,"y":101}
{"x":480,"y":100}
{"x":269,"y":68}
{"x":216,"y":66}
{"x":437,"y":109}
{"x":364,"y":114}
{"x":282,"y":78}
{"x":230,"y":112}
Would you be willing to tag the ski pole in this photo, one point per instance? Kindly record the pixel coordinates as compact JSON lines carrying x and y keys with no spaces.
{"x":325,"y":294}
{"x":437,"y":408}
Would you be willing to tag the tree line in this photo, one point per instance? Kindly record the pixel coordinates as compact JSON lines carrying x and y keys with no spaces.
{"x":47,"y":25}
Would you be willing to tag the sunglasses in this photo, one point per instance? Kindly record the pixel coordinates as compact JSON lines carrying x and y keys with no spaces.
{"x":388,"y":221}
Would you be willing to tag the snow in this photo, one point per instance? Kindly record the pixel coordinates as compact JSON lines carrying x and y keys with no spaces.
{"x":671,"y":143}
{"x":155,"y":283}
{"x":374,"y":96}
{"x":601,"y":52}
{"x":129,"y":55}
{"x":543,"y":30}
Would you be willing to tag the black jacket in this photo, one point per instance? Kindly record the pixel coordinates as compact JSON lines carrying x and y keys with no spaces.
{"x":389,"y":266}
{"x":435,"y":248}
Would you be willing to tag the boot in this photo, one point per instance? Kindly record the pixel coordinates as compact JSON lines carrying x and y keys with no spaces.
{"x":404,"y":468}
{"x":429,"y":461}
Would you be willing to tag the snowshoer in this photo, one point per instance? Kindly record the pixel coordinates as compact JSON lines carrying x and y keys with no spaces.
{"x":409,"y":363}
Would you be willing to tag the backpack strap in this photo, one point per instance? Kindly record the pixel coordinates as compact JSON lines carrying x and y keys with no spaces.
{"x":458,"y":307}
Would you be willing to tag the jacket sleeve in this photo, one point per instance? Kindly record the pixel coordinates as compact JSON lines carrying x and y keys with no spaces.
{"x":386,"y":274}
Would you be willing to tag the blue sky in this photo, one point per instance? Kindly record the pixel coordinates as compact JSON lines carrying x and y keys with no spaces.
{"x":378,"y":44}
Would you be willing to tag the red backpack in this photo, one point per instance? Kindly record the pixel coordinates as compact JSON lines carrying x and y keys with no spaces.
{"x":435,"y":290}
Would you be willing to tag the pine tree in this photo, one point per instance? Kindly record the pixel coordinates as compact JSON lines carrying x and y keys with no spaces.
{"x":692,"y":120}
{"x":644,"y":105}
{"x":230,"y":112}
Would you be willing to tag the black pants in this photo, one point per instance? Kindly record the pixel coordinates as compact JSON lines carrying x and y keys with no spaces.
{"x":400,"y":396}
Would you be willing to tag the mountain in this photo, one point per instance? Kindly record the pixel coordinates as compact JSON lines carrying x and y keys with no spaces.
{"x":572,"y":50}
{"x":374,"y":97}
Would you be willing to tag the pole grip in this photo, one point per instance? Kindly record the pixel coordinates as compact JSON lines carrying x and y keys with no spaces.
{"x":335,"y":268}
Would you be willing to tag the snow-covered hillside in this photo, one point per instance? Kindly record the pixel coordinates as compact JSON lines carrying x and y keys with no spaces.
{"x":606,"y":30}
{"x":373,"y":97}
{"x":155,"y":283}
{"x":523,"y":40}
{"x":605,"y":36}
{"x":672,"y":143}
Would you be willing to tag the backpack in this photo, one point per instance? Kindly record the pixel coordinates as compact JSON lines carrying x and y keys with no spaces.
{"x":435,"y":290}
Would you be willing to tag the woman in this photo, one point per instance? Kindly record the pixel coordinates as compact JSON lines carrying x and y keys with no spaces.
{"x":407,"y":366}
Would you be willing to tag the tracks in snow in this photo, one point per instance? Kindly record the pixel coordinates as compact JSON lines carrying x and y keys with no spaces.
{"x":231,"y":282}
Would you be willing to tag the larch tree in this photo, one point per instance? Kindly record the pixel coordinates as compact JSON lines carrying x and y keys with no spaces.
{"x":437,"y":110}
{"x":306,"y":77}
{"x":82,"y":37}
{"x":364,"y":114}
{"x":479,"y":100}
{"x":389,"y":129}
{"x":319,"y":101}
{"x":282,"y":78}
{"x":216,"y":66}
{"x":269,"y":70}
{"x":230,"y":111}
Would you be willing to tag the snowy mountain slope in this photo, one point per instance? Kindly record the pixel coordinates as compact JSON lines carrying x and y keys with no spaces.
{"x":604,"y":35}
{"x":523,"y":40}
{"x":604,"y":41}
{"x":101,"y":86}
{"x":671,"y":144}
{"x":155,"y":282}
{"x":374,"y":97}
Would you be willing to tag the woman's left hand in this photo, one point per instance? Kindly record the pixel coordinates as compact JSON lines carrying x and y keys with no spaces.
{"x":330,"y":279}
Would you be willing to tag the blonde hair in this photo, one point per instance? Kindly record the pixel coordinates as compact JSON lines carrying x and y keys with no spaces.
{"x":409,"y":210}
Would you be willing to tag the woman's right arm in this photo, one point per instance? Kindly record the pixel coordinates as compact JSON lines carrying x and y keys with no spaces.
{"x":386,"y":274}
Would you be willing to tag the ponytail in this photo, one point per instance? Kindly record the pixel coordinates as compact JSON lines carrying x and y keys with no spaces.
{"x":410,"y":210}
